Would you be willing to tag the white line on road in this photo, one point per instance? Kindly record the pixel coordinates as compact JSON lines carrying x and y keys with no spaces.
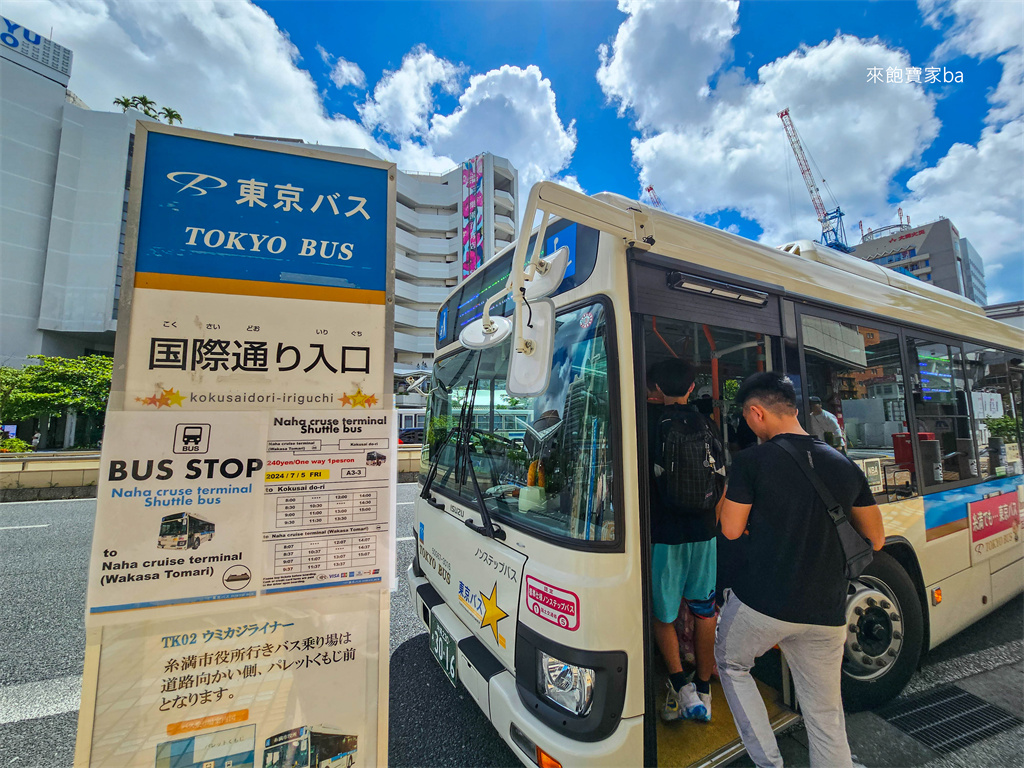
{"x":40,"y":699}
{"x":17,"y":527}
{"x":405,"y":538}
{"x":405,"y":503}
{"x":50,"y":501}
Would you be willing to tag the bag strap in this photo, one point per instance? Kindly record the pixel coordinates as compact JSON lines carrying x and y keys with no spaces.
{"x":834,"y":509}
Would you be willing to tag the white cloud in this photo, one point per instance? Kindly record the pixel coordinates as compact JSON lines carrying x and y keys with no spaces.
{"x":343,"y":71}
{"x":403,"y":100}
{"x":738,"y":157}
{"x":228,"y":68}
{"x":984,"y":30}
{"x":662,"y":57}
{"x":225,"y":66}
{"x":511,"y":112}
{"x":980,"y":189}
{"x":723,"y":148}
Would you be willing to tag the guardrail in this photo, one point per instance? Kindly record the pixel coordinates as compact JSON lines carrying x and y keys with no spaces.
{"x":28,"y":476}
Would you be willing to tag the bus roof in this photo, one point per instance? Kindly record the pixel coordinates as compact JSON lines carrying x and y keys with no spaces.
{"x":804,"y":269}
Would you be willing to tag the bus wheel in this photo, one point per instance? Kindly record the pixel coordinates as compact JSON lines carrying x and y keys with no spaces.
{"x":194,"y":543}
{"x":884,"y":631}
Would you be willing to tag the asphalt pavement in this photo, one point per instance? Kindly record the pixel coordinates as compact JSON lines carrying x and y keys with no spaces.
{"x":44,"y":555}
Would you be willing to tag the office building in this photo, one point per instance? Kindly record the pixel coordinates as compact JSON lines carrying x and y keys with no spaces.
{"x":65,"y":171}
{"x":974,"y":273}
{"x":63,"y":202}
{"x":933,"y":253}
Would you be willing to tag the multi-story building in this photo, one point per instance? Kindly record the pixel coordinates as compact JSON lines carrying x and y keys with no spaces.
{"x":933,"y":253}
{"x":447,"y":226}
{"x":64,"y":177}
{"x":1012,"y":313}
{"x":974,"y":273}
{"x":64,"y":173}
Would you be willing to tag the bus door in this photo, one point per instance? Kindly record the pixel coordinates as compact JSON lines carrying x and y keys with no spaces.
{"x":725,"y":339}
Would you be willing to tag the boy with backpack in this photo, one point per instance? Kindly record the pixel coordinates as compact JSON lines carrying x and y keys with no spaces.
{"x":687,"y":475}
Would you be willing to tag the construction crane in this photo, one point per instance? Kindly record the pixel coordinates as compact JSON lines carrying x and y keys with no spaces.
{"x":833,"y":234}
{"x":655,"y":200}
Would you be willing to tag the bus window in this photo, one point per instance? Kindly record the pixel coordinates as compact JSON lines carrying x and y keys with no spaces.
{"x":857,"y":401}
{"x":995,"y":388}
{"x":559,"y":479}
{"x":946,"y":446}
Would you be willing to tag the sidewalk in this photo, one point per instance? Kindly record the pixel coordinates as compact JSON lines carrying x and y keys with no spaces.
{"x":995,"y":676}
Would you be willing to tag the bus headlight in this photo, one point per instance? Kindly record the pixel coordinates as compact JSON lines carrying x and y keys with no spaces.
{"x":567,"y":685}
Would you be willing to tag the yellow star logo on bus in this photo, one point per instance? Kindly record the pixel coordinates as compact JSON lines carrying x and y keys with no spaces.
{"x":492,"y":613}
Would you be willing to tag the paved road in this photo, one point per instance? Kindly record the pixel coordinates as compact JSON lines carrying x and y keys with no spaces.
{"x":44,"y":551}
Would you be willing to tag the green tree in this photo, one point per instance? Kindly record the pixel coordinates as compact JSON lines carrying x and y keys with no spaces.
{"x":10,"y":382}
{"x":145,"y":105}
{"x":1005,"y":427}
{"x":124,"y":102}
{"x":57,"y":384}
{"x":170,"y":115}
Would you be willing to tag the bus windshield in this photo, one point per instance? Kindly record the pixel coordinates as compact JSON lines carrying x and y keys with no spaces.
{"x":543,"y":463}
{"x":172,"y":525}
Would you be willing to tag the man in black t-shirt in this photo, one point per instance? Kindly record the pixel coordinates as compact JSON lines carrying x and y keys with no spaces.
{"x":790,"y":591}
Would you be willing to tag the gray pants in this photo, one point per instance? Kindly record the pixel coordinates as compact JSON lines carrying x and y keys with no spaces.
{"x":814,"y":654}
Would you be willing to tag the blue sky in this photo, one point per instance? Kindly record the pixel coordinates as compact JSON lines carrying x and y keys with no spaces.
{"x":681,"y":94}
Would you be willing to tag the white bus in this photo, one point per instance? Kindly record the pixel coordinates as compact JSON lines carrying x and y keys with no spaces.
{"x":317,"y":746}
{"x":532,"y":570}
{"x":184,"y":531}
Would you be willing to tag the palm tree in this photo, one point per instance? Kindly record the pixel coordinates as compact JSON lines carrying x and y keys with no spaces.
{"x":124,"y":102}
{"x":170,"y":115}
{"x":145,"y":104}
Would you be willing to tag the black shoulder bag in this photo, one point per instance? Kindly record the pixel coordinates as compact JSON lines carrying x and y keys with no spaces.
{"x":857,"y":550}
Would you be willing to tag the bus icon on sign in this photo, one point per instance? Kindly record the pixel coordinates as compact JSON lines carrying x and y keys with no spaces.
{"x":192,"y":438}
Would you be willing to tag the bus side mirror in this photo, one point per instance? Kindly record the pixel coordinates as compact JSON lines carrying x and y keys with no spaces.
{"x":548,"y":275}
{"x":529,"y":367}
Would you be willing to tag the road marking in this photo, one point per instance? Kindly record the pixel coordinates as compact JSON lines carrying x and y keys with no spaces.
{"x":405,"y":503}
{"x":18,"y":527}
{"x":406,"y":538}
{"x":50,"y":501}
{"x":44,"y":698}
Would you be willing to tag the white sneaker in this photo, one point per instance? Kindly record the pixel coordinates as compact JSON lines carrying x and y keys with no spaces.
{"x":705,"y":699}
{"x":671,"y":711}
{"x":695,"y":706}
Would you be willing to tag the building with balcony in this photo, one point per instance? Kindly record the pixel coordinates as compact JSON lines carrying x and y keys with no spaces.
{"x":447,"y":225}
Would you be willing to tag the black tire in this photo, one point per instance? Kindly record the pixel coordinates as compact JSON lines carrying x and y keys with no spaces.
{"x":885,"y":631}
{"x":194,"y":544}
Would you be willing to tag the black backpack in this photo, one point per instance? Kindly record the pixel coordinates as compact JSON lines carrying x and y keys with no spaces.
{"x":688,"y":452}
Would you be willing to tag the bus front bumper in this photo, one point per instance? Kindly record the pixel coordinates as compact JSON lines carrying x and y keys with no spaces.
{"x":496,"y":695}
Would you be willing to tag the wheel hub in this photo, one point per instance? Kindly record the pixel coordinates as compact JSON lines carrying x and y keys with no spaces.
{"x":874,"y":629}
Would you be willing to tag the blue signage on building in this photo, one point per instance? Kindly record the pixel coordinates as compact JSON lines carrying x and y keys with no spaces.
{"x":213,"y":211}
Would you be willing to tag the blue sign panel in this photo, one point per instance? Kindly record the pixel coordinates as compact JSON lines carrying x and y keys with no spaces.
{"x":214,"y":211}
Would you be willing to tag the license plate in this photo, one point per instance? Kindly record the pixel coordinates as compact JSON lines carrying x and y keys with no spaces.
{"x":442,"y":645}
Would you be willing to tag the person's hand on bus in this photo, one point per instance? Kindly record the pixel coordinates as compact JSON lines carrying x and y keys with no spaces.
{"x":868,"y":522}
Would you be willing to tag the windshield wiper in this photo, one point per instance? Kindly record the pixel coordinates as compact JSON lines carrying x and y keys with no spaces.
{"x":464,"y":461}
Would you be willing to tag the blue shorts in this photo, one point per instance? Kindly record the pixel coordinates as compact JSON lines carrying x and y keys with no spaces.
{"x":684,"y":571}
